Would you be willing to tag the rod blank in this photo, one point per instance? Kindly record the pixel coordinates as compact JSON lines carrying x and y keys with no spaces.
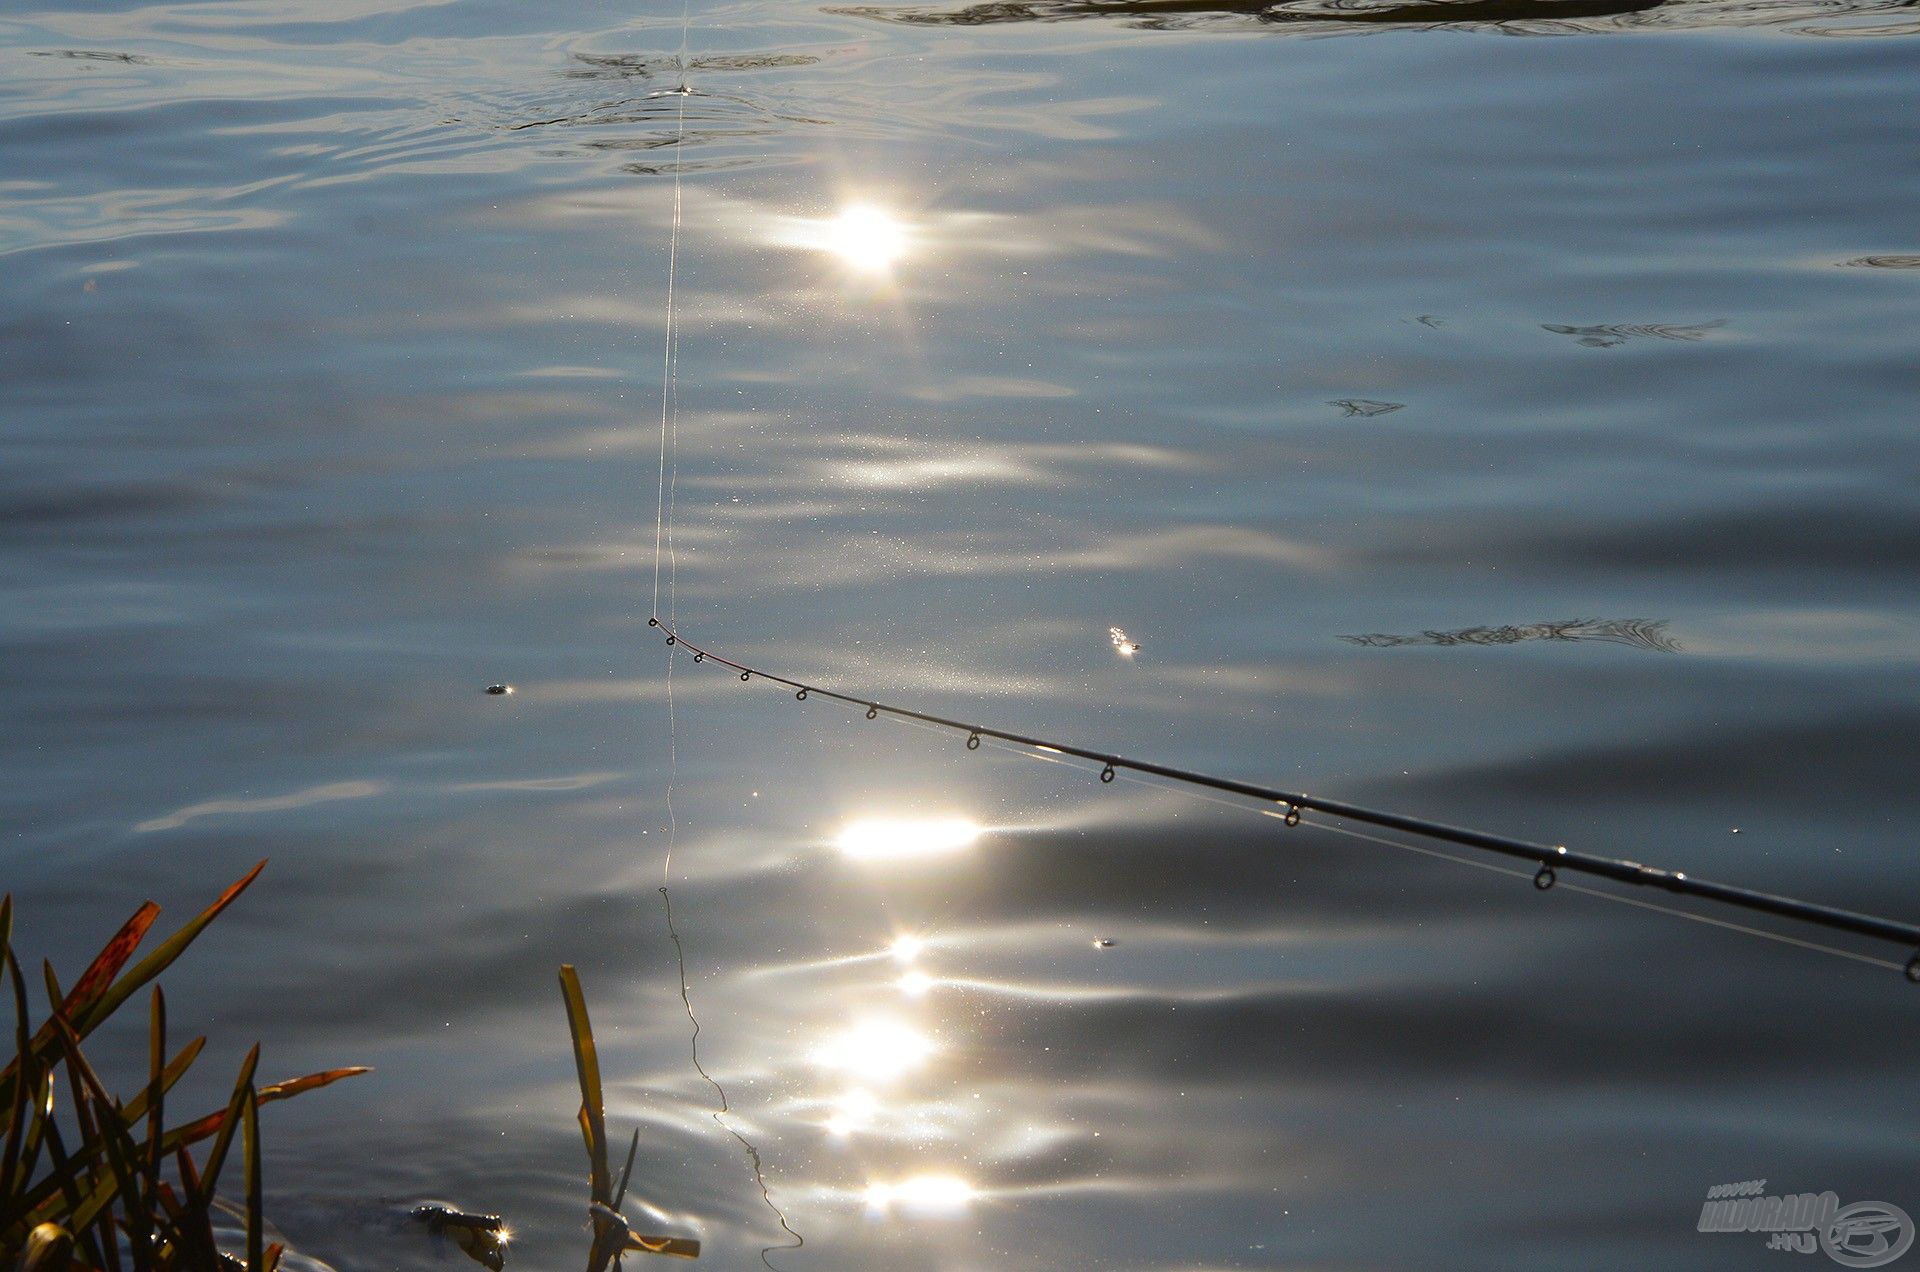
{"x":1551,"y":858}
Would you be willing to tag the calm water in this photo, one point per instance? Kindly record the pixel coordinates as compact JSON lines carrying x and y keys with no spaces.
{"x":1514,"y":431}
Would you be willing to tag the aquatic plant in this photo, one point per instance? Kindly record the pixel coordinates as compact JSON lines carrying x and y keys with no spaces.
{"x":111,"y":1187}
{"x":104,"y":1200}
{"x":612,"y":1235}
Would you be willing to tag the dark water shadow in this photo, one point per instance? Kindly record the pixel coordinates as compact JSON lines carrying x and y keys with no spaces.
{"x":1640,"y":633}
{"x":1518,"y":17}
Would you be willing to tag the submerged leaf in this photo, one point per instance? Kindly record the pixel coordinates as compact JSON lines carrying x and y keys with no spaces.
{"x":482,"y":1237}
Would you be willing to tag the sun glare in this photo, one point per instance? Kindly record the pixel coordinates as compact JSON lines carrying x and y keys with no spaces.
{"x":922,"y":1194}
{"x":886,"y":838}
{"x":854,"y":1111}
{"x":869,"y":239}
{"x":877,"y":1050}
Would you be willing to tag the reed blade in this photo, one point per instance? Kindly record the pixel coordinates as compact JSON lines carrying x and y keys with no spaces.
{"x":586,"y":1062}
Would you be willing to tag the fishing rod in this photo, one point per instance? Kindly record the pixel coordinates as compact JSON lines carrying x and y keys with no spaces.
{"x":1550,"y":858}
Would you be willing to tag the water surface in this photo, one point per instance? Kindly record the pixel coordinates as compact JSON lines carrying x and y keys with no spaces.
{"x":1512,"y":431}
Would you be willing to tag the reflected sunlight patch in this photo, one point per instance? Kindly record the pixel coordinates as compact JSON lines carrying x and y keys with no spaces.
{"x":854,"y":1111}
{"x":868,"y":238}
{"x":922,"y":1195}
{"x":268,"y":804}
{"x":865,"y":238}
{"x":894,"y":838}
{"x":878,"y":1050}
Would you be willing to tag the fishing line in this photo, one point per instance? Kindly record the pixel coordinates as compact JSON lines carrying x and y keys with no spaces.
{"x":666,"y":497}
{"x":1689,"y":915}
{"x":670,"y":354}
{"x":753,"y":1153}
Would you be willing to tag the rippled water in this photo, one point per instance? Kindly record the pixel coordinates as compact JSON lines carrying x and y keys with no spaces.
{"x":1516,"y":432}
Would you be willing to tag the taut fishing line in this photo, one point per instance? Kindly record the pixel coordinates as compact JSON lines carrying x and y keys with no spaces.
{"x":663,"y":534}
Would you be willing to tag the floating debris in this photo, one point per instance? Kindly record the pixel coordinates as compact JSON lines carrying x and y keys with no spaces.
{"x":1320,"y":15}
{"x":483,"y":1237}
{"x":1886,"y":262}
{"x":92,"y":55}
{"x":1104,"y":943}
{"x":1121,"y":642}
{"x":604,"y":66}
{"x":500,"y":691}
{"x":1611,"y":336}
{"x":1365,"y":407}
{"x":1641,"y":633}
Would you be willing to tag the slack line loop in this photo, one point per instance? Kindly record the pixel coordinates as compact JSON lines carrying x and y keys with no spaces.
{"x":1549,"y":858}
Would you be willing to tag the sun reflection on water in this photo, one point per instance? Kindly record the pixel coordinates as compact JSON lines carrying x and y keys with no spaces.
{"x":880,"y":1059}
{"x":884,"y":838}
{"x":922,"y":1195}
{"x":868,"y":238}
{"x":877,"y":1050}
{"x":864,"y":237}
{"x":853,"y":1111}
